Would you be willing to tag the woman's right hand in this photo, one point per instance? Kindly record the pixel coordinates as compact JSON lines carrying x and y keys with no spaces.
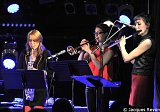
{"x":83,"y":41}
{"x":85,"y":45}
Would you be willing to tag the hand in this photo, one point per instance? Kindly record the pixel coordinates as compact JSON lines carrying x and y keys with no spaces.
{"x":45,"y":72}
{"x":122,"y":41}
{"x":83,"y":41}
{"x":35,"y":69}
{"x":85,"y":45}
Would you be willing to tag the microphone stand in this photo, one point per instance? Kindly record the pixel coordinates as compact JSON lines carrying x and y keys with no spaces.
{"x":99,"y":46}
{"x":52,"y":83}
{"x":53,"y":80}
{"x":101,"y":61}
{"x":101,"y":75}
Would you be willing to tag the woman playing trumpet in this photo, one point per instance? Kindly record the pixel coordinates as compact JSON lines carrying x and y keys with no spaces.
{"x":99,"y":62}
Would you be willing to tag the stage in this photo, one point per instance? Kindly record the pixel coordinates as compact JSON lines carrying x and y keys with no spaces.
{"x":48,"y":108}
{"x":17,"y":105}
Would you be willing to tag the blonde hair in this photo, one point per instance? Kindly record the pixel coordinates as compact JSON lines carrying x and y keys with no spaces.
{"x":39,"y":36}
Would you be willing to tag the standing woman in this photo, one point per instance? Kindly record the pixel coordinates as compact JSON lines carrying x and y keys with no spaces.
{"x":36,"y":53}
{"x":99,"y":63}
{"x":143,"y":57}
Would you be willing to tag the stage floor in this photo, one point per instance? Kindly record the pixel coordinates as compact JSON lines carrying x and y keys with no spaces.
{"x":49,"y":109}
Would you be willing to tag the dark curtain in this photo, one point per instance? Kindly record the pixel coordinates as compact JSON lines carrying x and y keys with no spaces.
{"x":155,"y":15}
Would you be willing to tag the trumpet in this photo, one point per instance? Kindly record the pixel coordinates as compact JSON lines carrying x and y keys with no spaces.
{"x":72,"y":51}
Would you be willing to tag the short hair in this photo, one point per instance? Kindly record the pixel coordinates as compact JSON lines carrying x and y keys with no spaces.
{"x":62,"y":105}
{"x":146,"y":18}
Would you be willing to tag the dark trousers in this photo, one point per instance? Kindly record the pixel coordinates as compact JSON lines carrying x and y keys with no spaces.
{"x":104,"y":95}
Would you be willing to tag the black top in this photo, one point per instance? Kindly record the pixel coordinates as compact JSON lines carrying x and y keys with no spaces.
{"x":144,"y":64}
{"x":40,"y":62}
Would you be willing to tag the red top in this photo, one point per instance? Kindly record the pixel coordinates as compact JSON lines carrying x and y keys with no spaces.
{"x":95,"y":70}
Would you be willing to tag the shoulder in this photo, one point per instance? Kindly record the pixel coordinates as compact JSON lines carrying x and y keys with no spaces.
{"x":109,"y":51}
{"x":147,"y":42}
{"x":46,"y":52}
{"x":23,"y":51}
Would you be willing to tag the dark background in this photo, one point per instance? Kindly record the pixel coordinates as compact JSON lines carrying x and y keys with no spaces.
{"x":62,"y":25}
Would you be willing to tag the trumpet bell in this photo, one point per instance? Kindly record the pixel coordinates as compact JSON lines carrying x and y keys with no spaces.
{"x":71,"y":50}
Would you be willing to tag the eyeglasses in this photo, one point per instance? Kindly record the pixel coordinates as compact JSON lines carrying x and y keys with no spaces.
{"x":97,"y":33}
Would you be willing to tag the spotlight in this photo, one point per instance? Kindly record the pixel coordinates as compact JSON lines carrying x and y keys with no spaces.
{"x":9,"y":63}
{"x":13,"y":8}
{"x":125,"y":13}
{"x":125,"y":19}
{"x":9,"y":58}
{"x":69,"y":8}
{"x":111,"y":9}
{"x":12,"y":25}
{"x":25,"y":25}
{"x":9,"y":55}
{"x":91,"y":9}
{"x":3,"y":24}
{"x":7,"y":24}
{"x":16,"y":25}
{"x":20,"y":25}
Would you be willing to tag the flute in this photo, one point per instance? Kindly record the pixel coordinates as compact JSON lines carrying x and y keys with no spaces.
{"x":125,"y":38}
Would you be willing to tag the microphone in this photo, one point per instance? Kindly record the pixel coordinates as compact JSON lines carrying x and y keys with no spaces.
{"x":57,"y":54}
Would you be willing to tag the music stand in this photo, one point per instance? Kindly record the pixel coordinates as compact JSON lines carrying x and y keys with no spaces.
{"x":23,"y":79}
{"x":12,"y":79}
{"x":78,"y":68}
{"x":65,"y":69}
{"x":60,"y":73}
{"x":61,"y":69}
{"x":96,"y":81}
{"x":34,"y":79}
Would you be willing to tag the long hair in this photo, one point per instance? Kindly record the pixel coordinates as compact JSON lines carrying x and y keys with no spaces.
{"x":39,"y":36}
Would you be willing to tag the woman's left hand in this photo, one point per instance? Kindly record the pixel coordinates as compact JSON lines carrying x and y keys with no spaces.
{"x":122,"y":41}
{"x":35,"y":69}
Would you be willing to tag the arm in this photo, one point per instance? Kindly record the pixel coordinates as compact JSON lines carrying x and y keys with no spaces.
{"x":85,"y":48}
{"x":47,"y":54}
{"x":140,"y":49}
{"x":106,"y":58}
{"x":21,"y":60}
{"x":132,"y":61}
{"x":41,"y":62}
{"x":83,"y":56}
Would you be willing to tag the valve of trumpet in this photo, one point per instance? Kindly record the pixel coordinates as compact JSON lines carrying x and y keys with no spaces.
{"x":71,"y":50}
